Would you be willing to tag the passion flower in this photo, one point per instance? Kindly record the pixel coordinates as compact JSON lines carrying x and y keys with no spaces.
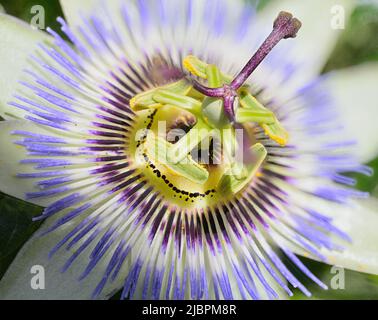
{"x":165,"y":171}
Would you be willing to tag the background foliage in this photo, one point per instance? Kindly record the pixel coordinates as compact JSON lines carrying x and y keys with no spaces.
{"x":358,"y":44}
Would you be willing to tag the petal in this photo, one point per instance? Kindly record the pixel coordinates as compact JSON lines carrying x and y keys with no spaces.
{"x":16,"y":283}
{"x":72,"y":9}
{"x":11,"y":154}
{"x":18,"y":41}
{"x":356,"y":95}
{"x":316,"y":39}
{"x":360,"y":222}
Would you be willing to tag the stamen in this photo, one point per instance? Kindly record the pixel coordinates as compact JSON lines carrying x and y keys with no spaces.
{"x":181,"y":101}
{"x":231,"y":183}
{"x":195,"y":66}
{"x":158,"y":149}
{"x":146,"y":100}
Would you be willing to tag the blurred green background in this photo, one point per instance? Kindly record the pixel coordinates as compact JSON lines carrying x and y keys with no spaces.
{"x":359,"y":43}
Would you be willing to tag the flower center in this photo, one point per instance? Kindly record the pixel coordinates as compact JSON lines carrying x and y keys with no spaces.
{"x":215,"y":155}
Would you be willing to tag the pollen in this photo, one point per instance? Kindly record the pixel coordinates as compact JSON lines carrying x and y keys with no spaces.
{"x":132,"y":103}
{"x":195,"y":66}
{"x":276,"y":132}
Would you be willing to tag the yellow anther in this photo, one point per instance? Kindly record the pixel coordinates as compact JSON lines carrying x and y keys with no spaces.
{"x":132,"y":103}
{"x":259,"y":174}
{"x":143,"y":100}
{"x":276,"y":132}
{"x":195,"y":66}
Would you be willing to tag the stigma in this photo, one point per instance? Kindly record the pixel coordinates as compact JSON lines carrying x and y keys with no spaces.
{"x":285,"y":26}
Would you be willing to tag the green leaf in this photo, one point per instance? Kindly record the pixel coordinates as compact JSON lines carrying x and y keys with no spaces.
{"x":366,"y":183}
{"x":359,"y":42}
{"x":22,"y":9}
{"x":16,"y":226}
